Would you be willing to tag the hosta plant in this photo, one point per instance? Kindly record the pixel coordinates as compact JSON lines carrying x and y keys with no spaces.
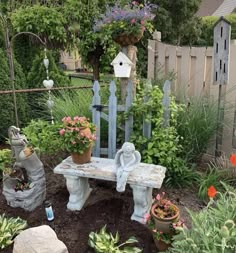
{"x":103,"y":242}
{"x":9,"y":228}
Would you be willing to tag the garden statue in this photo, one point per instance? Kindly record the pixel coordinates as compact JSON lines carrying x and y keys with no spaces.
{"x":125,"y":160}
{"x":25,"y":186}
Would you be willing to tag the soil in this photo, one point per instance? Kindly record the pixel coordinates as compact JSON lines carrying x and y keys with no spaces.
{"x":104,"y":206}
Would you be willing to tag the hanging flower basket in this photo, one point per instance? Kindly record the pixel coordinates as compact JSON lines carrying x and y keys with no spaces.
{"x":125,"y":39}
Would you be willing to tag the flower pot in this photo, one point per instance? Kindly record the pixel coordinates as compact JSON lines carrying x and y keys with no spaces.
{"x":125,"y":39}
{"x":164,"y":224}
{"x":161,"y":245}
{"x":82,"y":158}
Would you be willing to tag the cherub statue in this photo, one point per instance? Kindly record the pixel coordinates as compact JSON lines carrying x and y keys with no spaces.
{"x":125,"y":161}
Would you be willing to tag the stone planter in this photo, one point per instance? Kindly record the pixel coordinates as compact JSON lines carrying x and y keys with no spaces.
{"x":127,"y":39}
{"x":164,"y":224}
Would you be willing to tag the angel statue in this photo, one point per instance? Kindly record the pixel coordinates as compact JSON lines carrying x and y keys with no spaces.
{"x":125,"y":160}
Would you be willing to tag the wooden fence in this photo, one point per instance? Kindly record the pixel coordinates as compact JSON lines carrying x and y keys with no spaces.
{"x":193,"y":70}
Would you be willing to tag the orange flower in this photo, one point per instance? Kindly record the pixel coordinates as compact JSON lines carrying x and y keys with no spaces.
{"x":211,"y":191}
{"x":233,"y":159}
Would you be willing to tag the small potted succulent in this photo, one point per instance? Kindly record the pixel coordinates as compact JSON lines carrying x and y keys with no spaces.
{"x":164,"y":213}
{"x":78,"y":135}
{"x":127,"y":23}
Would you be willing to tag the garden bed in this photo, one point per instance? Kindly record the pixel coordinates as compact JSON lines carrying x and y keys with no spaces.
{"x":105,"y":206}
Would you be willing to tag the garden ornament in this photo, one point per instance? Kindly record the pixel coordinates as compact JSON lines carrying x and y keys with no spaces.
{"x":25,"y":187}
{"x":125,"y":160}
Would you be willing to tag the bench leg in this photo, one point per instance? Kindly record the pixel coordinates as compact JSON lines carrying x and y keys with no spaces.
{"x":79,"y":190}
{"x":142,"y":202}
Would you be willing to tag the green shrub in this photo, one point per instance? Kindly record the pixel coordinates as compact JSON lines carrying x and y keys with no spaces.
{"x":44,"y":136}
{"x":164,"y":146}
{"x":5,"y":160}
{"x":197,"y":124}
{"x":207,"y":27}
{"x":7,"y":112}
{"x":9,"y":228}
{"x":104,"y":242}
{"x":213,"y":228}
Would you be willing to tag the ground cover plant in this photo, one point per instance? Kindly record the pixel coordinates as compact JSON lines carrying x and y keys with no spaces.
{"x":9,"y":228}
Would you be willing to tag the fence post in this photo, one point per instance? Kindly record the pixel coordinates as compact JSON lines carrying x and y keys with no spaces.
{"x":147,"y":125}
{"x":112,"y":114}
{"x":166,"y":103}
{"x":96,"y":117}
{"x":129,"y":121}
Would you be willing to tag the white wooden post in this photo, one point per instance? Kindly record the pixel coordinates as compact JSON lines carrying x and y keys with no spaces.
{"x":112,"y":114}
{"x":129,"y":121}
{"x":147,"y":126}
{"x":96,"y":117}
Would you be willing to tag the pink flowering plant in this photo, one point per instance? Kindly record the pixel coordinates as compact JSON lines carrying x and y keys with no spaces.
{"x":132,"y":18}
{"x":78,"y":134}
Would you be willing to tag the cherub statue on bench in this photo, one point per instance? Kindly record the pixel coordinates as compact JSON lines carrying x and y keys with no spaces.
{"x":125,"y":161}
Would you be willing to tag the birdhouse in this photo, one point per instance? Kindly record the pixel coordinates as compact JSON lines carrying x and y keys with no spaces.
{"x":222,"y":34}
{"x":122,"y":65}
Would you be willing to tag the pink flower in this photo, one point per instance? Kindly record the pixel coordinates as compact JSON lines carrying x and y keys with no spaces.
{"x":62,"y":131}
{"x":142,"y":22}
{"x":158,"y":197}
{"x":132,"y":21}
{"x":134,"y":3}
{"x":76,"y":118}
{"x":68,"y":119}
{"x":73,"y":142}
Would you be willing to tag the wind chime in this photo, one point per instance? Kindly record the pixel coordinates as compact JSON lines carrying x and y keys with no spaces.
{"x":48,"y":84}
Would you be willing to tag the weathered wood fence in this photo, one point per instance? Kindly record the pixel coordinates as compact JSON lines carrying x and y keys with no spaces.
{"x":193,"y":70}
{"x":98,"y":113}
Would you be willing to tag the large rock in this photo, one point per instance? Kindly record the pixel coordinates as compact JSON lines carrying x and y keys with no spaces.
{"x":38,"y":240}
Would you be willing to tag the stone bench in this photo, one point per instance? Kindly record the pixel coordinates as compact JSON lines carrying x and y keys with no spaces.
{"x":142,"y":180}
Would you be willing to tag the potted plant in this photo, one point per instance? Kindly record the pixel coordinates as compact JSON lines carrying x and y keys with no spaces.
{"x":127,"y":23}
{"x":163,"y":240}
{"x":78,"y":135}
{"x":164,"y":213}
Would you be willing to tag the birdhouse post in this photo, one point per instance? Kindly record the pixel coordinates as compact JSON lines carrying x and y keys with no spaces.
{"x":222,"y":34}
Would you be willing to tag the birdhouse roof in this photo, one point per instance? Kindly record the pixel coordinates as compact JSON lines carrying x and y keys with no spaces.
{"x":222,"y":19}
{"x":121,"y":57}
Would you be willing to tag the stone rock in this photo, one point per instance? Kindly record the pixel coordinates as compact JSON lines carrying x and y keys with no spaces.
{"x":40,"y":239}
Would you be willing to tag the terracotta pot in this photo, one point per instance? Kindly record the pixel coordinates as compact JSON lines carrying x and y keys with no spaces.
{"x":164,"y":224}
{"x":127,"y":39}
{"x":82,"y":158}
{"x":161,"y":246}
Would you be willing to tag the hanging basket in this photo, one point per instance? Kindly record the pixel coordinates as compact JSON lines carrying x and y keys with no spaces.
{"x":125,"y":39}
